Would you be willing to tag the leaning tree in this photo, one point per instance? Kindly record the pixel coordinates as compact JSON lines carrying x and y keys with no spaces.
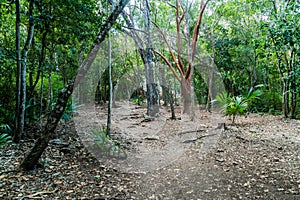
{"x":47,"y":133}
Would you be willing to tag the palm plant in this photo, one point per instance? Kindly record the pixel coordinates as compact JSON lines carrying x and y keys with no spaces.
{"x":232,"y":106}
{"x":237,"y":105}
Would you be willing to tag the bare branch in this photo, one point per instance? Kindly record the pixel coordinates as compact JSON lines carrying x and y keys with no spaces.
{"x":169,"y":64}
{"x":170,"y":48}
{"x":196,"y":33}
{"x":178,"y":37}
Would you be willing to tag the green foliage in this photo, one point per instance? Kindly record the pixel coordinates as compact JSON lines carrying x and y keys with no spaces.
{"x":253,"y":96}
{"x":237,"y":105}
{"x":69,"y":111}
{"x":5,"y":138}
{"x":270,"y":103}
{"x":232,"y":106}
{"x":200,"y":88}
{"x":107,"y":145}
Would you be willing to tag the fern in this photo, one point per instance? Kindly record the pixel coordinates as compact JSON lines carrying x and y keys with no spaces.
{"x":5,"y":139}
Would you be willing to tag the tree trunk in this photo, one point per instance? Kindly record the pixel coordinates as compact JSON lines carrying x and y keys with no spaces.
{"x":186,"y":95}
{"x":18,"y":127}
{"x":171,"y":104}
{"x":152,"y":97}
{"x":108,"y":125}
{"x":293,"y":86}
{"x":50,"y":88}
{"x":31,"y":159}
{"x":147,"y":57}
{"x":21,"y":102}
{"x":209,"y":95}
{"x":164,"y":88}
{"x":114,"y":105}
{"x":285,"y":99}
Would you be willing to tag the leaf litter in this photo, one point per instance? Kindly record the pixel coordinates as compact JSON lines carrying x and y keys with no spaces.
{"x":258,"y":158}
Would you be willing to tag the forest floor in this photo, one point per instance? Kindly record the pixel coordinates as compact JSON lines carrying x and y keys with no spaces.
{"x":257,"y":158}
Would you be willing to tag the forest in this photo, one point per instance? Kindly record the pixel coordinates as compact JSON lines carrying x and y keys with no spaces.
{"x":149,"y":99}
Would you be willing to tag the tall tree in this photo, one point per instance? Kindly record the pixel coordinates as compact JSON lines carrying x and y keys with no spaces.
{"x":21,"y":65}
{"x":183,"y":68}
{"x":281,"y":30}
{"x":146,"y":52}
{"x":109,"y":112}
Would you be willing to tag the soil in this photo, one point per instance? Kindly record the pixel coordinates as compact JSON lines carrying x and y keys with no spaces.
{"x":257,"y":158}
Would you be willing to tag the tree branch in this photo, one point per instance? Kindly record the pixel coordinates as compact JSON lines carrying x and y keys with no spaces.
{"x":195,"y":35}
{"x":170,"y":49}
{"x":168,"y":63}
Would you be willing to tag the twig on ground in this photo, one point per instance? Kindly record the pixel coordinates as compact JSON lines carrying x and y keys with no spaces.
{"x":196,"y":131}
{"x":34,"y":196}
{"x":198,"y":138}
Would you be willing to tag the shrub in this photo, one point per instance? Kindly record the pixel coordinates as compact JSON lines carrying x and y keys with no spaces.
{"x":108,"y":146}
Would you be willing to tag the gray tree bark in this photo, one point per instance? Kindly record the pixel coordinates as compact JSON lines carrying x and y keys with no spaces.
{"x":146,"y":53}
{"x":21,"y":63}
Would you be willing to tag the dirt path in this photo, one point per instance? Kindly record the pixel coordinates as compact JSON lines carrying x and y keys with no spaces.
{"x":157,"y":141}
{"x":258,"y":158}
{"x":181,"y":159}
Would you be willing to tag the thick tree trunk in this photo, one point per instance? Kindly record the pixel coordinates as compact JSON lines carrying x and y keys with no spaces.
{"x":31,"y":160}
{"x":152,"y":100}
{"x":47,"y":134}
{"x":186,"y":95}
{"x":152,"y":97}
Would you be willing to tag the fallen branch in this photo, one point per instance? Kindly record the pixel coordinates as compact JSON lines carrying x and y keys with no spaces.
{"x":198,"y":138}
{"x":34,"y":196}
{"x":196,"y":131}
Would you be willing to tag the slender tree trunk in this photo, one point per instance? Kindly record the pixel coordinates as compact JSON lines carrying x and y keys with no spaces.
{"x":209,"y":94}
{"x":285,"y":99}
{"x":164,"y":87}
{"x":18,"y":127}
{"x":171,"y":98}
{"x":293,"y":86}
{"x":21,"y":102}
{"x":114,"y":105}
{"x":110,"y":87}
{"x":50,"y":88}
{"x":31,"y":159}
{"x":42,"y":106}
